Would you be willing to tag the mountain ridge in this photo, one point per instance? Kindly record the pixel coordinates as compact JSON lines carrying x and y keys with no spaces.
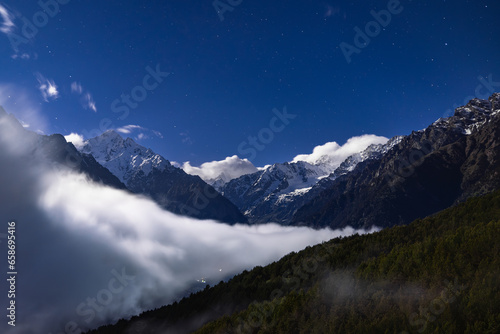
{"x":275,"y":193}
{"x":424,"y":173}
{"x":53,"y":151}
{"x":145,"y":172}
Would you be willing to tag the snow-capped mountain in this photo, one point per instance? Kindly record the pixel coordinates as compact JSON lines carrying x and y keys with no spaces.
{"x":275,"y":193}
{"x":287,"y":193}
{"x":124,"y":157}
{"x":374,"y":151}
{"x":148,"y":173}
{"x":53,"y":152}
{"x":431,"y":169}
{"x":472,"y":116}
{"x":282,"y":178}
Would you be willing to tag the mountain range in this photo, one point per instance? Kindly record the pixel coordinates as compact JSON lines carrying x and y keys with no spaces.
{"x":452,"y":161}
{"x":145,"y":172}
{"x":436,"y":275}
{"x":277,"y":192}
{"x":427,"y":171}
{"x":386,"y":184}
{"x":54,"y":151}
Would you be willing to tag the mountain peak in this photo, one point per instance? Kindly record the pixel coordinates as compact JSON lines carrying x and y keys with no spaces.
{"x":124,"y":158}
{"x":471,"y":116}
{"x":110,"y":134}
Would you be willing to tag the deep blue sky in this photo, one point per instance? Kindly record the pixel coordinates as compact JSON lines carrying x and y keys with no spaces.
{"x":227,"y":76}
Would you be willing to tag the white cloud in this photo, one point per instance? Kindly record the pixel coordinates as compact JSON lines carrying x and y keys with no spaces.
{"x":158,"y":134}
{"x":76,"y":139}
{"x":87,"y":99}
{"x":7,"y":25}
{"x":334,"y":154}
{"x":21,"y":56}
{"x":47,"y":87}
{"x":76,"y":88}
{"x":89,"y":102}
{"x":144,"y":133}
{"x":79,"y":235}
{"x":129,"y":128}
{"x":227,"y":169}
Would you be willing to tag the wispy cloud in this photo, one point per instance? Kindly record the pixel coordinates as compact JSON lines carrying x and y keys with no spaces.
{"x":21,"y":56}
{"x":87,"y":100}
{"x":158,"y":134}
{"x":333,"y":11}
{"x":76,"y":88}
{"x":47,"y":87}
{"x":17,"y":42}
{"x":129,"y":128}
{"x":7,"y":25}
{"x":144,"y":133}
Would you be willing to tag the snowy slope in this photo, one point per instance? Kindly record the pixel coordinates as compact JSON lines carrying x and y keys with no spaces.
{"x":145,"y":172}
{"x":275,"y":193}
{"x":124,"y":157}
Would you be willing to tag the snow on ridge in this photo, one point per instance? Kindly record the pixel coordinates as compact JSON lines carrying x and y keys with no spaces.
{"x":123,"y":157}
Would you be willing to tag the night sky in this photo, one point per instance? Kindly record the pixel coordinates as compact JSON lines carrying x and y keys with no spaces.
{"x":218,"y":76}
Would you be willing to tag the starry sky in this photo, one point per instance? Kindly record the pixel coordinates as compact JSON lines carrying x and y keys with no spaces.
{"x":196,"y":80}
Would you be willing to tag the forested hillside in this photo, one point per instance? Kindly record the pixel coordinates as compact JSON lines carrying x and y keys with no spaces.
{"x":436,"y":275}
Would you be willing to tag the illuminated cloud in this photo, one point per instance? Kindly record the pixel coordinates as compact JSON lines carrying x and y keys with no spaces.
{"x":7,"y":25}
{"x":47,"y":87}
{"x":76,"y":88}
{"x":87,"y":100}
{"x":227,"y":169}
{"x":334,"y":154}
{"x":144,"y":133}
{"x":77,"y":140}
{"x":129,"y":128}
{"x":87,"y":243}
